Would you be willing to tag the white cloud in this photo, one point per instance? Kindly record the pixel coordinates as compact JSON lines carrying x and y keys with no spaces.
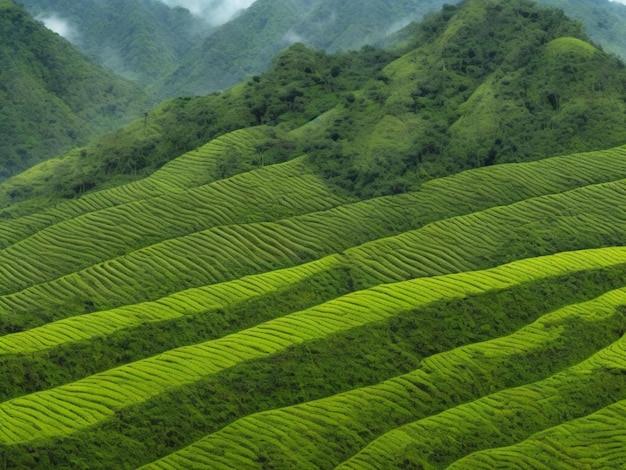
{"x":623,"y":2}
{"x":216,"y":12}
{"x":60,"y":26}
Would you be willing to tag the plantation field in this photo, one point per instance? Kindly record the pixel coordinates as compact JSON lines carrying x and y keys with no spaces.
{"x":206,"y":318}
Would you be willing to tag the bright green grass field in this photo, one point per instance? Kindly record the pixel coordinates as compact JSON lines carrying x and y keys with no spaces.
{"x":264,"y":321}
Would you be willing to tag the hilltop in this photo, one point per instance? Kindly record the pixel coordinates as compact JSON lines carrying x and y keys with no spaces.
{"x":52,"y":97}
{"x":245,"y":46}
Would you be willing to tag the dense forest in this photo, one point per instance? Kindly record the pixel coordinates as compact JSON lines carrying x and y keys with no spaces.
{"x":139,"y":40}
{"x":169,"y":52}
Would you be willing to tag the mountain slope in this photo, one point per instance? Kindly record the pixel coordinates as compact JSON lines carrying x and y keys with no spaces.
{"x":480,"y":84}
{"x":245,"y":46}
{"x":52,"y":97}
{"x":604,"y":21}
{"x":140,"y":40}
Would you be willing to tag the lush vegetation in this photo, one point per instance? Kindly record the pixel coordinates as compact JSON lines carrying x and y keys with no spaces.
{"x":51,"y":96}
{"x":603,"y":20}
{"x":169,"y":52}
{"x":202,"y":317}
{"x":456,"y":96}
{"x":350,"y":263}
{"x":245,"y":46}
{"x":140,"y":40}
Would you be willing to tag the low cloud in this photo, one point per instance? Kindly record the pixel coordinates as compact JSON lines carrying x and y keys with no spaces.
{"x":215,"y":12}
{"x":291,"y":37}
{"x":60,"y":25}
{"x":397,"y":26}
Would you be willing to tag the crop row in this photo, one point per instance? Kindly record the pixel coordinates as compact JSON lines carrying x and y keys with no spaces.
{"x":195,"y":168}
{"x":86,"y":402}
{"x":502,"y":418}
{"x":188,"y":302}
{"x":587,"y":217}
{"x":582,"y":218}
{"x":370,"y":354}
{"x":79,"y":242}
{"x":594,"y":441}
{"x":321,"y":432}
{"x":133,"y":224}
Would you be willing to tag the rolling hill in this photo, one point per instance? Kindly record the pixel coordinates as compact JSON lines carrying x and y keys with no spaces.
{"x":265,"y":299}
{"x":52,"y":97}
{"x":245,"y":46}
{"x":192,"y":318}
{"x":169,"y":52}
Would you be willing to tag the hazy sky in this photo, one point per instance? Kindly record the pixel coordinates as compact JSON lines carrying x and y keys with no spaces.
{"x":214,"y":11}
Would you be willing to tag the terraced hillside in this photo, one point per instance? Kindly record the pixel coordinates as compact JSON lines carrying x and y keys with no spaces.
{"x":189,"y":320}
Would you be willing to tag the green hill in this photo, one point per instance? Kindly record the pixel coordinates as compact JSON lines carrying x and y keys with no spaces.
{"x":458,"y":96}
{"x":604,"y":21}
{"x":191,"y":318}
{"x":52,"y":97}
{"x":140,"y":40}
{"x":167,"y":51}
{"x":250,"y":304}
{"x":244,"y":46}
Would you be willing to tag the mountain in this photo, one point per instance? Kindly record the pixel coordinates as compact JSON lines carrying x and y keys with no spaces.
{"x":52,"y":97}
{"x":140,"y":40}
{"x":244,"y":46}
{"x":342,"y":267}
{"x":170,"y":52}
{"x":475,"y":86}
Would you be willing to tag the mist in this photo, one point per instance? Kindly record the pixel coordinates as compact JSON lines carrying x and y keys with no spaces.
{"x":60,"y":25}
{"x":215,"y":12}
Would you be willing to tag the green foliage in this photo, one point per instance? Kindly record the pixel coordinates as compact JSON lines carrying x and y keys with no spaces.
{"x":140,"y":40}
{"x":235,"y":304}
{"x":603,"y":20}
{"x":301,"y":85}
{"x":483,"y":83}
{"x":311,"y":371}
{"x":464,"y":96}
{"x":246,"y":45}
{"x":52,"y":97}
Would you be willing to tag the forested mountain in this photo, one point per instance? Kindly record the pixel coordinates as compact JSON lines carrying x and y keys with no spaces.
{"x":52,"y":98}
{"x":472,"y":88}
{"x":142,"y":40}
{"x":171,"y":52}
{"x":245,"y":46}
{"x":347,"y":262}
